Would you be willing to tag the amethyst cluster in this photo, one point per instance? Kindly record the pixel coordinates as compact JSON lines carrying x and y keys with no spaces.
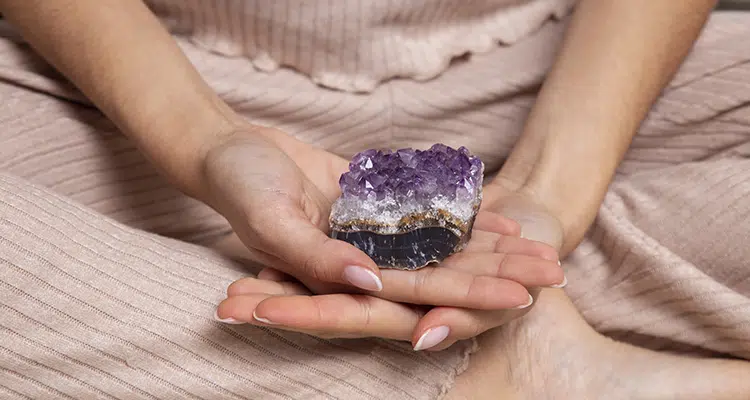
{"x":418,"y":175}
{"x":408,"y":208}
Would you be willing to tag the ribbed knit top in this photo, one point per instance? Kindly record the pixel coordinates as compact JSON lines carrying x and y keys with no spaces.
{"x":353,"y":45}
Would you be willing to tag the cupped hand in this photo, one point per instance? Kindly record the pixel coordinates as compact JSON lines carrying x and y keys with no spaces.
{"x":278,"y":300}
{"x":280,"y":212}
{"x":276,"y":192}
{"x":537,"y":224}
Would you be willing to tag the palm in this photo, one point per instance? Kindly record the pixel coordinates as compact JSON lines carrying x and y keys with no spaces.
{"x":299,"y":182}
{"x":268,"y":189}
{"x":320,"y":167}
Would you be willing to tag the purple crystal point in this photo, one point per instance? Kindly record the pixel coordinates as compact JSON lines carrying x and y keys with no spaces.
{"x":408,"y":208}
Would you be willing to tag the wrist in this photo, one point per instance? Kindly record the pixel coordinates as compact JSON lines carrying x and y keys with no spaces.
{"x":570,"y":188}
{"x":178,"y":143}
{"x":574,"y":207}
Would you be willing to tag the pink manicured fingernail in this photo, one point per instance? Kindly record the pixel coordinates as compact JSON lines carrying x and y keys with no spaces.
{"x":432,"y":337}
{"x":363,"y":278}
{"x":531,"y":301}
{"x":561,"y":284}
{"x":230,"y":321}
{"x":263,"y":320}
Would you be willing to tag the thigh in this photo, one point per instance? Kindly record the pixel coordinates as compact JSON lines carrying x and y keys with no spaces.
{"x":666,"y":260}
{"x":90,"y":308}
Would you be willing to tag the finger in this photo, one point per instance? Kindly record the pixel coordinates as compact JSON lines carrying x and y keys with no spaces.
{"x":537,"y":225}
{"x":340,"y":315}
{"x":441,"y":327}
{"x":309,"y":285}
{"x":488,"y":242}
{"x":518,"y":245}
{"x":493,"y":222}
{"x":251,"y":301}
{"x":272,"y":274}
{"x":482,"y":241}
{"x":289,"y":235}
{"x":450,"y":287}
{"x":252,"y":285}
{"x":526,"y":270}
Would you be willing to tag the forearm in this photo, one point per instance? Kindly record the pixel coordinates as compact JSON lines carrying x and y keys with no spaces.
{"x":615,"y":60}
{"x":121,"y":57}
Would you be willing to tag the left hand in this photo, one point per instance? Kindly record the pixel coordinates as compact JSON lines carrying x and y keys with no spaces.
{"x":277,"y":297}
{"x":538,"y":226}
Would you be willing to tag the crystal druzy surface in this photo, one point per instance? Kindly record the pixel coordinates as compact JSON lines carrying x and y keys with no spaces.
{"x":408,"y":208}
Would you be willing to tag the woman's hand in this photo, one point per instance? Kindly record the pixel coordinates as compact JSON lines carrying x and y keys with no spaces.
{"x":496,"y":254}
{"x":280,"y":212}
{"x":278,"y":300}
{"x":255,"y":178}
{"x":538,"y":226}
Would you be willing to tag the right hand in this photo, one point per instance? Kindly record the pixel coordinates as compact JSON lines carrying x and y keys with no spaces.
{"x":280,"y":212}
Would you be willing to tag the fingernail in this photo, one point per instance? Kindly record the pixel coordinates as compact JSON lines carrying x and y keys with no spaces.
{"x":531,"y":301}
{"x":432,"y":337}
{"x":363,"y":278}
{"x":561,"y":284}
{"x":230,"y":321}
{"x":263,"y":320}
{"x":559,"y":263}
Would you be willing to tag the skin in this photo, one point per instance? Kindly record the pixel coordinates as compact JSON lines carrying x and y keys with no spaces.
{"x":547,"y":186}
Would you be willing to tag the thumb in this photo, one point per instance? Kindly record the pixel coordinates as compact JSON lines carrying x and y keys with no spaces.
{"x":536,"y":222}
{"x":538,"y":226}
{"x":288,"y":233}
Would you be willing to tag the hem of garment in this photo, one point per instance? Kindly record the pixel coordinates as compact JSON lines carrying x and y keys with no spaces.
{"x":462,"y":366}
{"x":504,"y":30}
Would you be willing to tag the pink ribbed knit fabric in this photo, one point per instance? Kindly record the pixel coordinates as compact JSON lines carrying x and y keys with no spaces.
{"x":97,"y":302}
{"x":353,"y":45}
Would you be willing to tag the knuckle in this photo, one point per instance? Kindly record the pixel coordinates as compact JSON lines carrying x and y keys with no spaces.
{"x":501,"y":261}
{"x":474,"y":291}
{"x":501,"y":243}
{"x":315,"y":266}
{"x":312,"y":267}
{"x":420,"y":281}
{"x":366,"y":315}
{"x":319,"y":320}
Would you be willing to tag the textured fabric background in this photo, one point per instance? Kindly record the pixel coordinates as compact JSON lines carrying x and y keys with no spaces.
{"x":106,"y":292}
{"x":352,"y":45}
